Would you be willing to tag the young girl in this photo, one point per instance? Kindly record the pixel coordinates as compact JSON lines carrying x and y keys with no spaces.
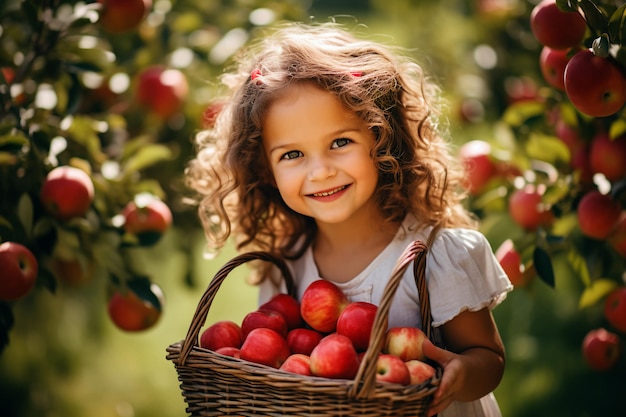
{"x":327,"y":152}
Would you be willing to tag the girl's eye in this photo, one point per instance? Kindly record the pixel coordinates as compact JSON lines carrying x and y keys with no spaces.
{"x":338,"y":143}
{"x":291,"y":155}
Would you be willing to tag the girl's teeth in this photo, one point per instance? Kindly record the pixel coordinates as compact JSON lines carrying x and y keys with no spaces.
{"x":326,"y":194}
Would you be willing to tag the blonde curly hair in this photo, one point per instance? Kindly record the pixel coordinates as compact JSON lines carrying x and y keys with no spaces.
{"x":418,"y":173}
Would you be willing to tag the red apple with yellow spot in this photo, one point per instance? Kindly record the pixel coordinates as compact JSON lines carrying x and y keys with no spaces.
{"x":19,"y":271}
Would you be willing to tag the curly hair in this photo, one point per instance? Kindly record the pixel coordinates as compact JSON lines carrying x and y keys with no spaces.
{"x":391,"y":93}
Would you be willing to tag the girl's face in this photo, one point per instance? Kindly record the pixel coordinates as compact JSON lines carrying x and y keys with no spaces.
{"x":319,"y":154}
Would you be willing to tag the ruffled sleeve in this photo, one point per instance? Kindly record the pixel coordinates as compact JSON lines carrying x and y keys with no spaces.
{"x":463,"y":274}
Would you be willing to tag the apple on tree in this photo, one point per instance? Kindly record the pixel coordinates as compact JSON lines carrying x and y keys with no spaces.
{"x":321,"y":304}
{"x":598,"y":214}
{"x":223,"y":333}
{"x":479,"y":166}
{"x":264,"y":346}
{"x":162,"y":90}
{"x":511,"y":261}
{"x":556,"y":28}
{"x":405,"y":342}
{"x":334,"y":357}
{"x":608,"y":156}
{"x":615,"y":309}
{"x":146,"y":217}
{"x":601,"y":349}
{"x":137,"y":307}
{"x":356,"y":321}
{"x":552,"y":63}
{"x":617,"y":238}
{"x":67,"y":192}
{"x":595,"y":85}
{"x":19,"y":271}
{"x":118,"y":16}
{"x":527,"y":209}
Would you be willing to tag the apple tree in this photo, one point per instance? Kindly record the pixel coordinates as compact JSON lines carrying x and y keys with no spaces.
{"x":99,"y":100}
{"x":555,"y":174}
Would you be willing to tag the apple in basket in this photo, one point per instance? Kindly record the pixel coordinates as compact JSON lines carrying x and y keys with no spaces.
{"x":224,"y":333}
{"x":356,"y":321}
{"x":419,"y":371}
{"x":229,"y":351}
{"x":334,"y":357}
{"x":268,"y":319}
{"x":405,"y":342}
{"x":390,"y":368}
{"x":297,"y":363}
{"x":286,"y":305}
{"x":264,"y":346}
{"x":321,"y":304}
{"x":303,"y":340}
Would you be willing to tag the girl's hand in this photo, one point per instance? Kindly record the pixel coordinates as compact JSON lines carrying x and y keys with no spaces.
{"x":453,"y":376}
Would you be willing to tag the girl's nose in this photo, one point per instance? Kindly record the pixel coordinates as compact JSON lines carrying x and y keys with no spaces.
{"x":321,"y":169}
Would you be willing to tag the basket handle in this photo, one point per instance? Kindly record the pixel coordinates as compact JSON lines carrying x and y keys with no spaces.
{"x":416,"y":251}
{"x":202,"y":310}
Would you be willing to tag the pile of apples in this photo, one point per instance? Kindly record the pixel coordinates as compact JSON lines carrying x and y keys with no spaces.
{"x":322,"y":335}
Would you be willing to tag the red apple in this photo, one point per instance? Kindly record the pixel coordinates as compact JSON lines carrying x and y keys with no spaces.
{"x":556,"y":28}
{"x":297,"y":363}
{"x":303,"y":340}
{"x":511,"y":261}
{"x":229,"y":351}
{"x":162,"y":90}
{"x":552,"y":63}
{"x":67,"y":192}
{"x":321,"y":304}
{"x":137,"y":308}
{"x":596,"y":86}
{"x":223,"y":333}
{"x":268,"y":319}
{"x":266,"y":347}
{"x":598,"y":214}
{"x":390,"y":368}
{"x":615,"y":309}
{"x":286,"y":305}
{"x":570,"y":136}
{"x":601,"y":349}
{"x":419,"y":371}
{"x":527,"y":209}
{"x":118,"y":16}
{"x":19,"y":271}
{"x":356,"y":321}
{"x":147,"y":217}
{"x":405,"y":342}
{"x":479,"y":166}
{"x":617,"y":238}
{"x":608,"y":156}
{"x":334,"y":357}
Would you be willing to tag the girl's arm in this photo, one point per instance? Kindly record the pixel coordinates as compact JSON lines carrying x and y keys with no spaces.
{"x":473,"y":363}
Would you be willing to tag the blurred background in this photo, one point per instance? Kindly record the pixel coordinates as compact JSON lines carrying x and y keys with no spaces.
{"x":70,"y":91}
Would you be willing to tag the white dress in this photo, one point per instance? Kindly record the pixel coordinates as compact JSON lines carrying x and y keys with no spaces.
{"x":462,"y":273}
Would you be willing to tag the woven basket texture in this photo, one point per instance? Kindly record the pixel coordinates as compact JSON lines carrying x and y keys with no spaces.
{"x":218,"y":385}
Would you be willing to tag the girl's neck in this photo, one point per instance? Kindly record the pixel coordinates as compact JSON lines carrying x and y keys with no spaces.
{"x":342,"y":251}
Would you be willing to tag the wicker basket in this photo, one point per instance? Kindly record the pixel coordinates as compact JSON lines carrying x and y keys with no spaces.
{"x":219,"y":385}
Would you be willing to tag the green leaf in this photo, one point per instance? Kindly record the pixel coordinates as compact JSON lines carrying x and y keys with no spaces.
{"x":13,"y":141}
{"x":579,"y":265}
{"x":25,"y":212}
{"x":617,"y":26}
{"x":147,"y":156}
{"x":596,"y":19}
{"x":617,"y":129}
{"x":543,"y":266}
{"x":547,"y":148}
{"x":518,"y":113}
{"x":595,"y":292}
